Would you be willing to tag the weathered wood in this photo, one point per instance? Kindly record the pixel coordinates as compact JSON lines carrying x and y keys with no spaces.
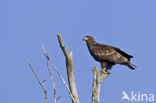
{"x":70,"y":70}
{"x":98,"y":77}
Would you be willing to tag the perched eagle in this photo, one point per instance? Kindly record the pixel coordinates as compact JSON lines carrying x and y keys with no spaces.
{"x":108,"y":55}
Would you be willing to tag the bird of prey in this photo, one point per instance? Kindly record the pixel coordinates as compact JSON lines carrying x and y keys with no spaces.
{"x":108,"y":55}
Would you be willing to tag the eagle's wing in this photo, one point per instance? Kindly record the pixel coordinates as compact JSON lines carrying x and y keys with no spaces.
{"x":107,"y":53}
{"x":123,"y":53}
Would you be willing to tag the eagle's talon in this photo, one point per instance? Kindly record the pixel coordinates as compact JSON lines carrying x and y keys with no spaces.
{"x":105,"y":72}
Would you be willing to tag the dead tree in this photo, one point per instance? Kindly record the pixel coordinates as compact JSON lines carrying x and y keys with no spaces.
{"x":98,"y":76}
{"x":70,"y":70}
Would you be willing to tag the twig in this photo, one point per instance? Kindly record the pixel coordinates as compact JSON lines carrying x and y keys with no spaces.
{"x":53,"y":82}
{"x":59,"y":74}
{"x":98,"y":77}
{"x":45,"y":91}
{"x":70,"y":70}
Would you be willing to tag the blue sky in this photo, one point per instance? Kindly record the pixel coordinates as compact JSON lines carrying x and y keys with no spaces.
{"x":24,"y":24}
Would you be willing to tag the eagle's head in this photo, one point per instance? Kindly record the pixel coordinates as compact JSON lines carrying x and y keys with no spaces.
{"x":88,"y":38}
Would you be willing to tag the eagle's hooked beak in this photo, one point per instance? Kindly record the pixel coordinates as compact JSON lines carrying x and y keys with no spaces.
{"x":85,"y":38}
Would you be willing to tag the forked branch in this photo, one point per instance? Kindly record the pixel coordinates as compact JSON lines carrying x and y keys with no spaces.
{"x":98,"y":77}
{"x":53,"y":82}
{"x":41,"y":84}
{"x":70,"y":70}
{"x":59,"y":74}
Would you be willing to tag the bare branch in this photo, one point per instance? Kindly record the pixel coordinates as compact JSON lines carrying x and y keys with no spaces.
{"x":59,"y":74}
{"x":98,"y":77}
{"x":70,"y":70}
{"x":53,"y":82}
{"x":62,"y":45}
{"x":45,"y":91}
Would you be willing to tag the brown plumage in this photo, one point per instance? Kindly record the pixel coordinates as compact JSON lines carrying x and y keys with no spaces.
{"x":108,"y":55}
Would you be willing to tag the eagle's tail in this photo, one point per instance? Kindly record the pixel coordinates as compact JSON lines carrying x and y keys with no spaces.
{"x":131,"y":66}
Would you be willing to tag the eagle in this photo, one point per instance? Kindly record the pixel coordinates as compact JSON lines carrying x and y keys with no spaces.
{"x":108,"y":55}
